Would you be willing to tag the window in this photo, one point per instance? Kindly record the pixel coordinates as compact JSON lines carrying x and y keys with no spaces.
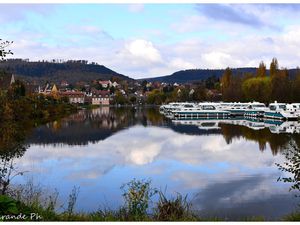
{"x":282,"y":107}
{"x":208,"y":107}
{"x":259,"y":106}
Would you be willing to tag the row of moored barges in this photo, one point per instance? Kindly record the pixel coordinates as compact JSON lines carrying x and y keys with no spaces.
{"x":202,"y":110}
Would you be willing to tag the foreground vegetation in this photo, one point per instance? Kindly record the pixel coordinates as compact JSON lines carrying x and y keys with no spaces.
{"x":28,"y":199}
{"x":31,"y":203}
{"x":19,"y":114}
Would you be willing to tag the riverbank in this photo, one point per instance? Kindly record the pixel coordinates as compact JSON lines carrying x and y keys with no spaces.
{"x":38,"y":109}
{"x":30,"y":203}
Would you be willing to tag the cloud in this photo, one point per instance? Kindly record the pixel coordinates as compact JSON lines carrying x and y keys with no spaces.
{"x":236,"y":172}
{"x":278,"y":6}
{"x":229,"y":13}
{"x":257,"y":16}
{"x":248,"y":196}
{"x":140,"y":58}
{"x":143,"y":49}
{"x":136,"y":8}
{"x":219,"y":60}
{"x":212,"y":36}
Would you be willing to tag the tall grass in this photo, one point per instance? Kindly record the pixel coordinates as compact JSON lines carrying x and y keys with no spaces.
{"x":175,"y":209}
{"x":138,"y":205}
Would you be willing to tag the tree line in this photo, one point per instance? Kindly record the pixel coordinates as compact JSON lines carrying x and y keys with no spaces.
{"x":263,"y":86}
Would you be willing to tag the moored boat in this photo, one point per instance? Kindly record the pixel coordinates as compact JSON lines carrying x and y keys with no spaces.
{"x":255,"y":109}
{"x":237,"y":109}
{"x":279,"y":111}
{"x":202,"y":110}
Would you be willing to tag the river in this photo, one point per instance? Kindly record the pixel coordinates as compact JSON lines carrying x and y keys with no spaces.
{"x":227,"y":169}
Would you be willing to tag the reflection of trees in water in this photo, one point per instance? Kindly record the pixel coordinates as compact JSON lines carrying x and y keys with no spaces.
{"x":262,"y":137}
{"x":113,"y":118}
{"x":291,"y":165}
{"x":94,"y":125}
{"x":100,"y":123}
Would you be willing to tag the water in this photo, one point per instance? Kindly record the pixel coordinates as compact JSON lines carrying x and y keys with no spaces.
{"x":227,"y":168}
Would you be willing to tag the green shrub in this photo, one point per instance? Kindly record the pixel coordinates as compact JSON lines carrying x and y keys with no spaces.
{"x":137,"y":195}
{"x":173,"y":209}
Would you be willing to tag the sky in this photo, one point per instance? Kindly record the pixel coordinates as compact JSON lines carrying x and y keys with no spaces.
{"x":149,"y":40}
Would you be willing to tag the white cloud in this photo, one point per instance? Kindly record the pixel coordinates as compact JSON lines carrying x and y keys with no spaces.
{"x":142,"y":58}
{"x":218,"y":60}
{"x":145,"y":50}
{"x":181,"y":64}
{"x":201,"y":43}
{"x":136,"y":8}
{"x":176,"y":159}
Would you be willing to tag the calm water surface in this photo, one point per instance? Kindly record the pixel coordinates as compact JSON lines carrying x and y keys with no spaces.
{"x":227,"y":169}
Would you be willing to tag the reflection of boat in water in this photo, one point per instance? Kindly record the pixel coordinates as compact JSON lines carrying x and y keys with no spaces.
{"x":255,"y":124}
{"x":275,"y":126}
{"x":203,"y":124}
{"x":288,"y":127}
{"x":294,"y":107}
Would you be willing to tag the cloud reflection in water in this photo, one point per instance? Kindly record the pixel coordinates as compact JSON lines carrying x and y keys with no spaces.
{"x":217,"y":174}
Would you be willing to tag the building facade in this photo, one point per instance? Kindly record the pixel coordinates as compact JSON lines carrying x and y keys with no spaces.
{"x":100,"y":98}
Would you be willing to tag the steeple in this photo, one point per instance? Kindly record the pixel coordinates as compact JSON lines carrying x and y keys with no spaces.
{"x":54,"y":89}
{"x":12,"y":80}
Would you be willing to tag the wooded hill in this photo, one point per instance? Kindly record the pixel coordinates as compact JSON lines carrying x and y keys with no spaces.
{"x":192,"y":75}
{"x":71,"y":71}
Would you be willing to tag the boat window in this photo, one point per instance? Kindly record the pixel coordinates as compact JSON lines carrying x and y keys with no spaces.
{"x":208,"y":125}
{"x":208,"y":107}
{"x":272,"y":107}
{"x":260,"y":106}
{"x":282,"y":107}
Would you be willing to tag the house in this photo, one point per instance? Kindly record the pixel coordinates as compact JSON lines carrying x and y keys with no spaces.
{"x":149,"y":84}
{"x":108,"y":84}
{"x":100,"y":97}
{"x":49,"y":90}
{"x":75,"y":97}
{"x":64,"y":83}
{"x":115,"y":84}
{"x":178,"y":92}
{"x":192,"y":91}
{"x":105,"y":83}
{"x":46,"y":90}
{"x":156,"y":84}
{"x":123,"y":92}
{"x":6,"y":81}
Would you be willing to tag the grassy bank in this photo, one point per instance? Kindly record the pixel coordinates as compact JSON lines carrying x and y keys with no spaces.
{"x":29,"y":202}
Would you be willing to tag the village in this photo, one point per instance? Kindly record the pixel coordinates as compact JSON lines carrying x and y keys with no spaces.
{"x":120,"y":92}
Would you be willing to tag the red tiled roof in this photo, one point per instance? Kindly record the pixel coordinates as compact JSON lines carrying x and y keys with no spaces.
{"x":104,"y":82}
{"x":72,"y":94}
